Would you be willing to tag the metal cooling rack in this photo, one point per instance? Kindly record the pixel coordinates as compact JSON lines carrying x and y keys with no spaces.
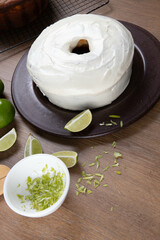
{"x":55,"y":11}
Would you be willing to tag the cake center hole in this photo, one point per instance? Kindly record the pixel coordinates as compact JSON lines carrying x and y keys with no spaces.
{"x":81,"y":47}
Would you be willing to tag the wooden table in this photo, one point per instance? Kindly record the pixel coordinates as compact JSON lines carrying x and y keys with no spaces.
{"x":129,"y":208}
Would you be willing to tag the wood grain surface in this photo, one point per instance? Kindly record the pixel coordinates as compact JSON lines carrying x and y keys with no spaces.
{"x":133,"y":196}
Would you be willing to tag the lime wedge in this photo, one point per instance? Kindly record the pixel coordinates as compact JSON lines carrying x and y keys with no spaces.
{"x":8,"y":140}
{"x":79,"y":122}
{"x":32,"y":146}
{"x":70,"y":158}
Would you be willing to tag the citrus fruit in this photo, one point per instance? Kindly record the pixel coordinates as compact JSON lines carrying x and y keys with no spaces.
{"x":70,"y":158}
{"x":4,"y":171}
{"x":79,"y":122}
{"x":8,"y":140}
{"x":32,"y":146}
{"x":7,"y":112}
{"x":1,"y":87}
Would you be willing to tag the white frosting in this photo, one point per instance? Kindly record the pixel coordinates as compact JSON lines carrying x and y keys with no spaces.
{"x":89,"y":80}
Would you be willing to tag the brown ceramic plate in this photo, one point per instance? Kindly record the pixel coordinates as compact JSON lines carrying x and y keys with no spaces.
{"x":140,"y":95}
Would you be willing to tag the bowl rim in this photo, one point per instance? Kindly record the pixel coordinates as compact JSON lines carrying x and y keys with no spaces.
{"x":48,"y":210}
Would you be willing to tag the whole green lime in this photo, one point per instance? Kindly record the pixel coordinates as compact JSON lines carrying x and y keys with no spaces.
{"x":7,"y":112}
{"x":1,"y":87}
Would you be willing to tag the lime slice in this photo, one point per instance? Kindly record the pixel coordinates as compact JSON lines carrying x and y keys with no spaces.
{"x":8,"y":140}
{"x":79,"y":122}
{"x":32,"y":146}
{"x":1,"y":87}
{"x":70,"y":158}
{"x":7,"y":112}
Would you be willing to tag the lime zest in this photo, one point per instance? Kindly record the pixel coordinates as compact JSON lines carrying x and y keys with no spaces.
{"x":89,"y":191}
{"x":77,"y":193}
{"x":77,"y":185}
{"x":121,"y":123}
{"x":89,"y":182}
{"x":97,"y":164}
{"x":44,"y":191}
{"x":88,"y":174}
{"x":115,"y":160}
{"x":45,"y":168}
{"x":106,"y":152}
{"x":113,"y":122}
{"x":88,"y":177}
{"x":95,"y":179}
{"x":83,"y":164}
{"x":106,"y":168}
{"x":82,"y":189}
{"x":96,"y":183}
{"x":21,"y":197}
{"x":108,"y":124}
{"x":92,"y":164}
{"x":117,"y":155}
{"x":115,"y":165}
{"x":105,"y":185}
{"x":79,"y":180}
{"x":98,"y":157}
{"x":114,"y":116}
{"x":99,"y":175}
{"x":111,"y":209}
{"x":96,"y":160}
{"x":114,"y":144}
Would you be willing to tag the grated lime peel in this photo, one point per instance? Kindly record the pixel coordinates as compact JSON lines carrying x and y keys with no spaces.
{"x":79,"y":180}
{"x":89,"y":182}
{"x":121,"y":123}
{"x":111,"y":209}
{"x":83,"y":164}
{"x":108,"y":124}
{"x":89,"y":191}
{"x":115,"y":165}
{"x":105,"y":185}
{"x":99,"y":175}
{"x":95,"y":179}
{"x":114,"y":144}
{"x":92,"y":164}
{"x":106,"y":168}
{"x":117,"y":155}
{"x":44,"y":191}
{"x":113,"y":122}
{"x":114,"y":116}
{"x":96,"y":183}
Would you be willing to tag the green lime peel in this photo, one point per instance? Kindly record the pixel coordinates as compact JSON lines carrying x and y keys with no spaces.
{"x":44,"y":191}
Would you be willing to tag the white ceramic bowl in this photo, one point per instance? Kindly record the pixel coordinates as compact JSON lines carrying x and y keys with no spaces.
{"x":32,"y":166}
